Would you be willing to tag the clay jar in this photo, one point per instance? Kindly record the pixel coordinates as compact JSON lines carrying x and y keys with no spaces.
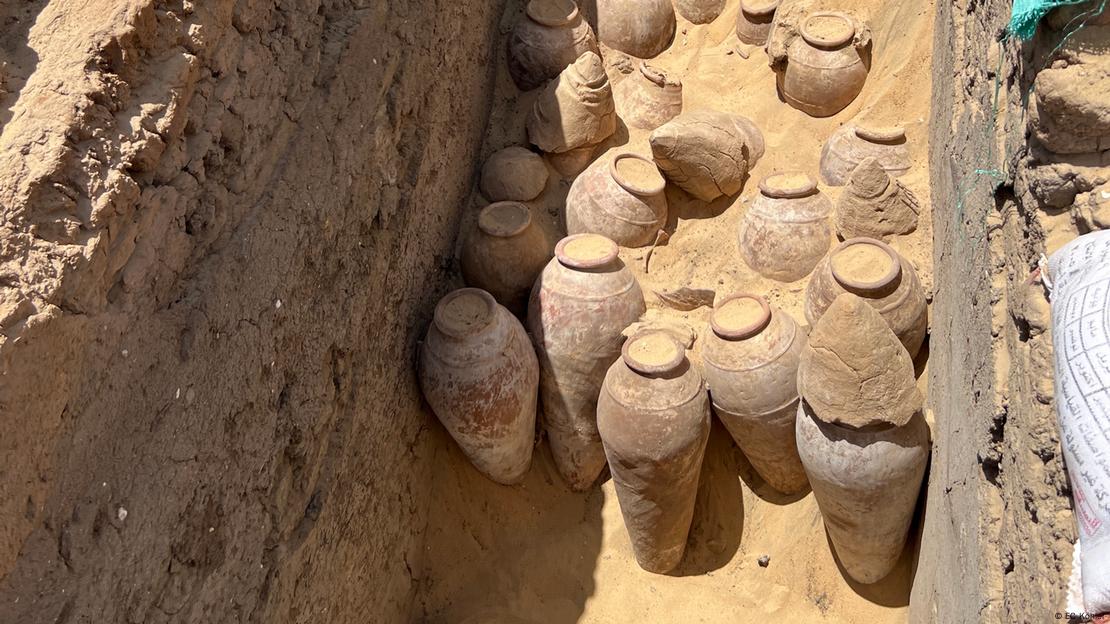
{"x":649,"y":98}
{"x":866,"y":482}
{"x":573,"y":114}
{"x":581,"y":303}
{"x":504,"y":254}
{"x":872,"y":270}
{"x":653,"y":415}
{"x":480,"y":375}
{"x":850,"y":145}
{"x":642,"y":28}
{"x":824,"y":70}
{"x":750,"y":358}
{"x":786,"y":230}
{"x":513,"y":174}
{"x":620,"y":198}
{"x":699,"y":11}
{"x":550,"y":36}
{"x":753,"y":23}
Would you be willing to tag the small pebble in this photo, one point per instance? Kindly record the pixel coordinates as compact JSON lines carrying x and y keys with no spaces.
{"x":764,"y":561}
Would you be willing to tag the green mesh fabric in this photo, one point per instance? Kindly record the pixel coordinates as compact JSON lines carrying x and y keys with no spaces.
{"x":1027,"y":13}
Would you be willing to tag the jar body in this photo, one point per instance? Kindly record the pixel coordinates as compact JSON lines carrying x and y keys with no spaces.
{"x":506,"y":267}
{"x":753,"y":389}
{"x":821,"y":82}
{"x":598,"y":204}
{"x":655,"y":430}
{"x":647,"y":104}
{"x":784,"y":238}
{"x":576,"y":318}
{"x":845,"y":150}
{"x":483,"y":389}
{"x":866,"y":482}
{"x":753,"y":28}
{"x":538,"y":52}
{"x":699,"y":11}
{"x":642,"y":28}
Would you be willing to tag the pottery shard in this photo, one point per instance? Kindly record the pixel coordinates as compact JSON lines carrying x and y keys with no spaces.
{"x":707,"y":153}
{"x":1070,"y":113}
{"x":875,"y":205}
{"x":854,"y":371}
{"x":513,"y":174}
{"x":575,"y":110}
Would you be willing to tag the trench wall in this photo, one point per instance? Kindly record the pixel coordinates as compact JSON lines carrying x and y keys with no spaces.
{"x":222,"y":226}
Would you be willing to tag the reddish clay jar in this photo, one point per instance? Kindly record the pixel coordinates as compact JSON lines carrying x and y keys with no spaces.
{"x":872,"y":270}
{"x":504,"y":254}
{"x":550,"y":36}
{"x":648,"y":98}
{"x":642,"y":28}
{"x":824,"y":70}
{"x":750,"y":358}
{"x":480,"y":376}
{"x":851,"y":145}
{"x":753,"y":22}
{"x":620,"y":198}
{"x":653,"y":415}
{"x":580,"y":305}
{"x":786,"y":230}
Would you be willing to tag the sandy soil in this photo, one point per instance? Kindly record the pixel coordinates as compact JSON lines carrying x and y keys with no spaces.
{"x":540,"y":553}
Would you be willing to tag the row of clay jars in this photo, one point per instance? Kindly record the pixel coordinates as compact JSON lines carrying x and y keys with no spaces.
{"x":641,"y":28}
{"x":850,"y":145}
{"x":480,"y":375}
{"x":786,"y":230}
{"x":504,"y":254}
{"x":874,"y":271}
{"x":825,"y":70}
{"x":654,"y":417}
{"x":550,"y":36}
{"x":621,"y":198}
{"x":580,"y":305}
{"x":753,"y":22}
{"x":750,"y":358}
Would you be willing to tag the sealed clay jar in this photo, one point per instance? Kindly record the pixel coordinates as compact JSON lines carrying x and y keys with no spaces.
{"x":850,"y":145}
{"x":872,"y":270}
{"x":875,"y":205}
{"x":648,"y":98}
{"x":581,"y":303}
{"x":753,"y":22}
{"x":480,"y":375}
{"x":699,"y":11}
{"x":620,"y":198}
{"x":550,"y":36}
{"x":866,"y":482}
{"x":504,"y":254}
{"x":573,"y":114}
{"x":707,"y":153}
{"x":824,"y":70}
{"x":513,"y":174}
{"x":653,"y":415}
{"x":642,"y":28}
{"x":750,"y":358}
{"x":786,"y":230}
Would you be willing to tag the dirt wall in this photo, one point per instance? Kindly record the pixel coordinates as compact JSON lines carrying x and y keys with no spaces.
{"x":222,"y":225}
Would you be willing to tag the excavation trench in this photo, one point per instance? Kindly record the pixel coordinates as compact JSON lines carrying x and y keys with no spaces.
{"x":224,"y":228}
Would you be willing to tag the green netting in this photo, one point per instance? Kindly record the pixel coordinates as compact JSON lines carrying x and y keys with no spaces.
{"x":1026,"y":14}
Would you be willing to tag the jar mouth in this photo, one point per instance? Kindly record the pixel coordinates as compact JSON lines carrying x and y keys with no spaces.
{"x":865,"y":265}
{"x":759,"y":8}
{"x":586,"y":251}
{"x":465,"y":312}
{"x":653,"y":353}
{"x":504,"y":219}
{"x":881,"y":134}
{"x":552,"y":12}
{"x":788,"y":185}
{"x":828,"y":29}
{"x":658,"y":77}
{"x":740,"y":316}
{"x":654,"y":183}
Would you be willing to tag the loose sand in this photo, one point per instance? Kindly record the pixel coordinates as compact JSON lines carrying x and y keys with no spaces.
{"x":538,"y":553}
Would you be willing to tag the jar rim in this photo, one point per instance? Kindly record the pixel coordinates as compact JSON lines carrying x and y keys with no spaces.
{"x":741,"y":332}
{"x":758,"y":8}
{"x":630,"y":186}
{"x":866,"y":286}
{"x":834,"y":40}
{"x":787,"y":184}
{"x":670,"y":357}
{"x":565,"y":251}
{"x":540,"y":11}
{"x":455,"y":327}
{"x":505,"y":219}
{"x":880,"y":134}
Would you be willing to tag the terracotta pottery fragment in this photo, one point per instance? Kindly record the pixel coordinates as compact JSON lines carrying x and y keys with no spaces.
{"x":653,"y":415}
{"x":649,"y":98}
{"x":825,"y":70}
{"x":707,"y":153}
{"x":620,"y":198}
{"x":866,"y":482}
{"x":513,"y":174}
{"x":786,"y":230}
{"x":850,"y":145}
{"x":549,"y":36}
{"x":479,"y":374}
{"x":504,"y":254}
{"x":750,"y":357}
{"x":873,"y":270}
{"x":642,"y":28}
{"x":581,"y":303}
{"x":875,"y":205}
